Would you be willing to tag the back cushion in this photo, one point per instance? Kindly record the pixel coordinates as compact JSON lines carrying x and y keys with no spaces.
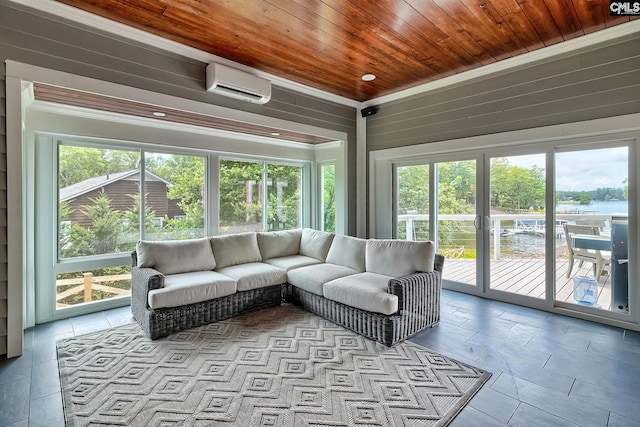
{"x":315,"y":243}
{"x":347,"y":251}
{"x":235,"y":249}
{"x":276,"y":244}
{"x":176,"y":256}
{"x":398,"y":257}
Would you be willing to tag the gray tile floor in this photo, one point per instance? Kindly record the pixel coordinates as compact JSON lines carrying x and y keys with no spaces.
{"x":548,"y":370}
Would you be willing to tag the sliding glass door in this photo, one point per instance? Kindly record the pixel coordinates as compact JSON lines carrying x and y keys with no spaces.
{"x":592,"y":204}
{"x":457,"y":219}
{"x":545,"y":227}
{"x":518,"y":224}
{"x":438,"y":201}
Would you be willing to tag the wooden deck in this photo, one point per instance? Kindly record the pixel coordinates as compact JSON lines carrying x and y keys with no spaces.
{"x":527,"y":276}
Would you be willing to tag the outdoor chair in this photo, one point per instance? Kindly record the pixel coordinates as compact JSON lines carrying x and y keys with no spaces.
{"x":596,"y":257}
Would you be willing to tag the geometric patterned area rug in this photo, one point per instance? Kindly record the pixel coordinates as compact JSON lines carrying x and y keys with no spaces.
{"x":275,"y":367}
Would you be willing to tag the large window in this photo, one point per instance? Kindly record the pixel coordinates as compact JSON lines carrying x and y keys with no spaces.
{"x":240,"y":196}
{"x":174,"y":196}
{"x":244,"y":205}
{"x":100,"y":214}
{"x":284,"y":201}
{"x":104,"y":209}
{"x":159,"y":181}
{"x":98,"y":191}
{"x":328,"y":179}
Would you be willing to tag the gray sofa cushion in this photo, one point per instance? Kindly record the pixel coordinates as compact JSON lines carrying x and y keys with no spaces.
{"x":234,"y":249}
{"x":311,"y":278}
{"x":176,"y":256}
{"x":366,"y":291}
{"x":398,"y":257}
{"x":255,"y":275}
{"x":347,"y":251}
{"x":290,"y":262}
{"x":315,"y":243}
{"x":190,"y":288}
{"x":276,"y":244}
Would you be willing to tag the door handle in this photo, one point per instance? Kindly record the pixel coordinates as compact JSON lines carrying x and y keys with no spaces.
{"x":477,"y":222}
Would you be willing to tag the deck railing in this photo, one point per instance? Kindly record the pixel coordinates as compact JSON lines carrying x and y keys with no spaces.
{"x":537,"y":227}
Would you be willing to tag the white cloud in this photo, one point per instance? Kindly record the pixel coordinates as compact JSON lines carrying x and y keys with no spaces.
{"x":588,"y":170}
{"x":584,"y":170}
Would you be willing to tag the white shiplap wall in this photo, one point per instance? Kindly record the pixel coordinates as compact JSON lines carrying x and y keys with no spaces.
{"x":595,"y":82}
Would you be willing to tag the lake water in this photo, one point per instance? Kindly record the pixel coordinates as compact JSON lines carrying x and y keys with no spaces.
{"x":529,"y":244}
{"x":600,"y":207}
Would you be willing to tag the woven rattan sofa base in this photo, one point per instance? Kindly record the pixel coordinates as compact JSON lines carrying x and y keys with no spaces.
{"x":165,"y":321}
{"x":418,"y":294}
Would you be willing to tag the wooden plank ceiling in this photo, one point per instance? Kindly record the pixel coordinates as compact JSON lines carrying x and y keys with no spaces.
{"x":330,"y":44}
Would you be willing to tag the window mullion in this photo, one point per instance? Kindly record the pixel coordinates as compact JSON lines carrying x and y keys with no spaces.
{"x":142,"y":199}
{"x":265,"y":185}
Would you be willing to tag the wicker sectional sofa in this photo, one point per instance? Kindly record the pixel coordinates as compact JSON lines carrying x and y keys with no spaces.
{"x":386,"y":290}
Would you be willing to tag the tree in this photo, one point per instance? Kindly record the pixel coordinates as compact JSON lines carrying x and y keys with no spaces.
{"x":515,"y":188}
{"x":187,"y":186}
{"x":583,"y":199}
{"x":131,"y":217}
{"x":240,"y":193}
{"x":64,"y":229}
{"x":283,"y":201}
{"x":462,"y":175}
{"x":413,"y":189}
{"x":102,"y":237}
{"x":185,"y":175}
{"x":329,"y":197}
{"x":456,"y":195}
{"x":77,"y":164}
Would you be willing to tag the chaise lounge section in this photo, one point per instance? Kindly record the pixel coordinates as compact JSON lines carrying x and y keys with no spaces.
{"x":386,"y":290}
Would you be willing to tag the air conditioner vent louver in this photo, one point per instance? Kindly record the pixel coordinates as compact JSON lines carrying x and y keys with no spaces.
{"x":237,"y":92}
{"x":237,"y":84}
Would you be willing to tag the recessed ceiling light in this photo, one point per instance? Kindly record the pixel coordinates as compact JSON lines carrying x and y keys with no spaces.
{"x":159,"y":114}
{"x":275,"y":133}
{"x":368,"y":77}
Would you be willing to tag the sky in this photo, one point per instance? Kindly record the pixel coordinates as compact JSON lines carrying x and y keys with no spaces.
{"x":584,"y":170}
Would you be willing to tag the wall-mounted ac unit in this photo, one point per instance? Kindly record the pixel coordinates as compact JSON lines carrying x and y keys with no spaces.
{"x":237,"y":84}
